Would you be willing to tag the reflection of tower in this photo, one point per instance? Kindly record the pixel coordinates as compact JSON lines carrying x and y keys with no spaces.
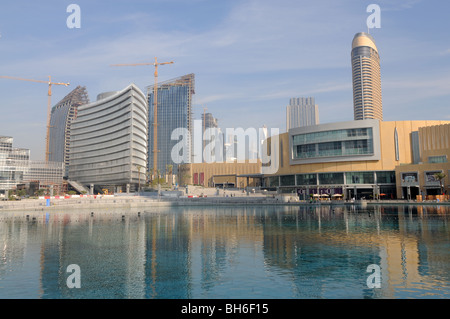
{"x":366,"y":76}
{"x":167,"y":261}
{"x":400,"y":259}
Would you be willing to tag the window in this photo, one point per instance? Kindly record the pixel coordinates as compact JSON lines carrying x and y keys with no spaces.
{"x":386,"y":177}
{"x":306,"y":179}
{"x":437,"y":159}
{"x":287,"y":180}
{"x":359,"y":177}
{"x":346,"y":142}
{"x":272,"y":181}
{"x":331,"y":178}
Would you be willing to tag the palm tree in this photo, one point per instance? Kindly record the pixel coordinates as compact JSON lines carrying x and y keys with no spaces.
{"x":170,"y":170}
{"x":440,"y":177}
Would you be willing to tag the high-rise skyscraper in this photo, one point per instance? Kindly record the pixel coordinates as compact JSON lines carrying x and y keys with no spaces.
{"x":209,"y":121}
{"x":174,"y":112}
{"x":301,"y":112}
{"x":108,"y":146}
{"x":62,"y":116}
{"x":367,"y":103}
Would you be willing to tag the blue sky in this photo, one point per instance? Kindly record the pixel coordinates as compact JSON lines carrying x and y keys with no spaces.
{"x":249,"y":57}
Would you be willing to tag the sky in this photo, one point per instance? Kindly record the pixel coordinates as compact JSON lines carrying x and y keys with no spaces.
{"x":249,"y":57}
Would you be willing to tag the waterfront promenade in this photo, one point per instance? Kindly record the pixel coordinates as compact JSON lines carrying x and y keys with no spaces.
{"x":232,"y":198}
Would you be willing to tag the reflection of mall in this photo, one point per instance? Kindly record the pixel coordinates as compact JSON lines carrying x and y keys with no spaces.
{"x":363,"y":159}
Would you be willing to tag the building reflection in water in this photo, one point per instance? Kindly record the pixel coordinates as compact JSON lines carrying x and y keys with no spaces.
{"x":227,"y":252}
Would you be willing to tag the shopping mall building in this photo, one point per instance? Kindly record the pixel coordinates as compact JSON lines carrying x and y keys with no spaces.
{"x":363,"y":159}
{"x":355,"y":159}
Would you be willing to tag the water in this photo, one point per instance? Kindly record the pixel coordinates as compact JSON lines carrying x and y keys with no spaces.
{"x":265,"y":252}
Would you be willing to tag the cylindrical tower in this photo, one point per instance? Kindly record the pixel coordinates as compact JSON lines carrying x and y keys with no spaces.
{"x":367,"y":102}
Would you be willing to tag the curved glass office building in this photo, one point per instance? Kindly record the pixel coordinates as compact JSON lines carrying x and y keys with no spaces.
{"x":367,"y":103}
{"x":108,"y":148}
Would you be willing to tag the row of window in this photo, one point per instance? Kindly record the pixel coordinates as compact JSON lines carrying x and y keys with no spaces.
{"x":334,"y":135}
{"x":382,"y":177}
{"x":345,"y":148}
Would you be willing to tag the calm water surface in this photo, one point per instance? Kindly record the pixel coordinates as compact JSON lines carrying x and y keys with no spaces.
{"x":227,"y":252}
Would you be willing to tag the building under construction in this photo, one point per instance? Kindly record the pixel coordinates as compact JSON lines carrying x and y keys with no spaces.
{"x":63,"y":113}
{"x":174,"y":98}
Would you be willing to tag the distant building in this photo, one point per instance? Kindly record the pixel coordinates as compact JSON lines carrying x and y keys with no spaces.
{"x":301,"y":112}
{"x":174,"y":111}
{"x":61,"y":120}
{"x":367,"y":101}
{"x":14,"y":164}
{"x":108,"y":147}
{"x":209,"y":121}
{"x":229,"y":174}
{"x":16,"y":169}
{"x":45,"y":175}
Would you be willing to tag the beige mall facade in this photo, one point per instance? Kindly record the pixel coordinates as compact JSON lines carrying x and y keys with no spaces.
{"x":227,"y":174}
{"x":368,"y":159}
{"x":358,"y":159}
{"x":418,"y":178}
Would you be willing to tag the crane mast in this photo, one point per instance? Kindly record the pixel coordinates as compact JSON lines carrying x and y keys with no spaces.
{"x":49,"y":102}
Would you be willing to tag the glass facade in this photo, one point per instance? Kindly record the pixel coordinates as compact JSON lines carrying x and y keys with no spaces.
{"x":345,"y":142}
{"x":331,"y":178}
{"x":306,"y":179}
{"x":387,"y":177}
{"x":272,"y":181}
{"x":61,"y":119}
{"x":174,"y":111}
{"x":360,"y":177}
{"x":287,"y":180}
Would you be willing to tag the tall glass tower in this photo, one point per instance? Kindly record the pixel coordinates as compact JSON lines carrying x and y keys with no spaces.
{"x":174,"y":111}
{"x":367,"y":103}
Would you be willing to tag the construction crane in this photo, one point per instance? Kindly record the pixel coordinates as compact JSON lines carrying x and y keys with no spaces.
{"x":155,"y":108}
{"x":50,"y":83}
